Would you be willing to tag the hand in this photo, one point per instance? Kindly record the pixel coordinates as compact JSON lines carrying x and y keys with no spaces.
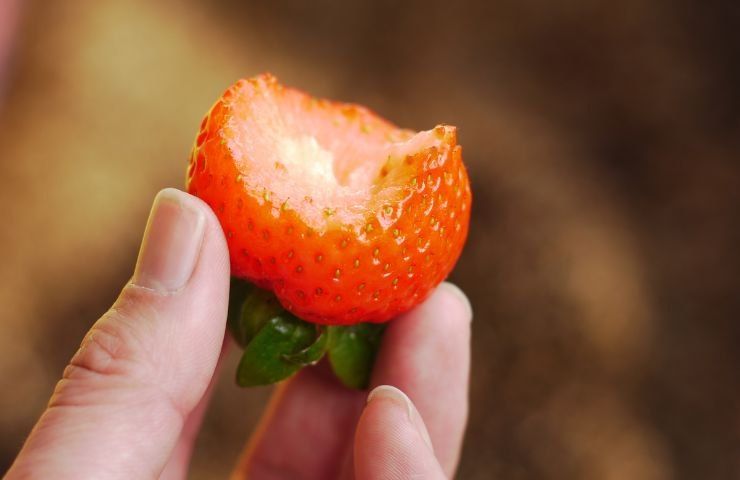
{"x":130,"y":403}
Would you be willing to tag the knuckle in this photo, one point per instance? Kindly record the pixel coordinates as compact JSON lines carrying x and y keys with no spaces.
{"x":118,"y":360}
{"x":106,"y":365}
{"x":105,"y":350}
{"x":118,"y":345}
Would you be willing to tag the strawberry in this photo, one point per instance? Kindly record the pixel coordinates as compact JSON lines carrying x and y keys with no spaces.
{"x":344,"y":216}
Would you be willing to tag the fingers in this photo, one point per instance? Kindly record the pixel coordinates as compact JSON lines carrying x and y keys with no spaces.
{"x":310,"y":420}
{"x":426,"y":353}
{"x":392,"y":441}
{"x":144,"y":366}
{"x":307,"y":429}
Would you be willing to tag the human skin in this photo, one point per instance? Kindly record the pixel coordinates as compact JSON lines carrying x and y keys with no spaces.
{"x":131,"y":400}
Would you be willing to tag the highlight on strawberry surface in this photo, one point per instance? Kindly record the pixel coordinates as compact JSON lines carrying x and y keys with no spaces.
{"x":336,"y":220}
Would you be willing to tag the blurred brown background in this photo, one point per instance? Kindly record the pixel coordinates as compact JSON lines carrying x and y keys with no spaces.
{"x":603,"y":142}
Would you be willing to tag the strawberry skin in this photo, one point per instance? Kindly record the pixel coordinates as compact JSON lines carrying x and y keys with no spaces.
{"x":344,"y":216}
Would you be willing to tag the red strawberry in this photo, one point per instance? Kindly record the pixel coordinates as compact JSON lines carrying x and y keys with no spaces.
{"x":344,"y":216}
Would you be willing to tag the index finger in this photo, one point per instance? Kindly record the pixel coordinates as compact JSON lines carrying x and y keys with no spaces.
{"x":426,"y":354}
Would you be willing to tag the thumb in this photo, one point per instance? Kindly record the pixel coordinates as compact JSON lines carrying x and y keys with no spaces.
{"x":142,"y":368}
{"x":391,"y":441}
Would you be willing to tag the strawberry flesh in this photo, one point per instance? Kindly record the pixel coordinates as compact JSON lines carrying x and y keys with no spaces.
{"x":346,"y":217}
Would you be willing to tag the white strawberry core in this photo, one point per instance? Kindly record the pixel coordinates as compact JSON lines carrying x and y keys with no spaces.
{"x":305,"y":156}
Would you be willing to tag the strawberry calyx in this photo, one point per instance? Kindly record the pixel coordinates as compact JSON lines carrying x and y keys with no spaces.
{"x":277,"y":344}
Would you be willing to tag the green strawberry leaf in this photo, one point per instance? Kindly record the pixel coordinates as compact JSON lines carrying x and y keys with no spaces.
{"x":277,"y":344}
{"x":250,"y":308}
{"x":264,"y":360}
{"x":352,"y":351}
{"x":311,"y":354}
{"x":259,"y":307}
{"x":238,"y":292}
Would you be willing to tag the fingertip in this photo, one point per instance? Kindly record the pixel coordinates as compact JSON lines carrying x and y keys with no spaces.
{"x":193,"y":202}
{"x":389,"y":392}
{"x":452,"y":290}
{"x":171,"y":243}
{"x":391,"y":441}
{"x":445,"y":316}
{"x":400,"y":399}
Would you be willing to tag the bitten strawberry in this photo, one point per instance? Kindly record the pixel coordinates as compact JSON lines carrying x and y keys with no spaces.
{"x":344,"y":216}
